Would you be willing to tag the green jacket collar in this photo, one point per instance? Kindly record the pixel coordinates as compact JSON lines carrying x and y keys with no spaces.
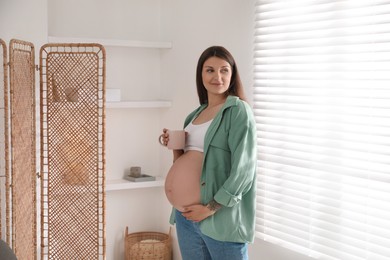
{"x":230,"y":101}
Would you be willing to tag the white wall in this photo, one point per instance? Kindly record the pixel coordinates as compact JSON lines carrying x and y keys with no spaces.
{"x":24,"y":20}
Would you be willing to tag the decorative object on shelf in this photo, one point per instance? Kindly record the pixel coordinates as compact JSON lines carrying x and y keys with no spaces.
{"x":124,"y":184}
{"x":143,"y":177}
{"x":148,"y":245}
{"x":137,"y":176}
{"x":135,"y":171}
{"x":72,"y":113}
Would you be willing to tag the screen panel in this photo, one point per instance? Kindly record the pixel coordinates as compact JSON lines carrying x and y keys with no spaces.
{"x":4,"y":144}
{"x":23,"y":149}
{"x":72,"y":151}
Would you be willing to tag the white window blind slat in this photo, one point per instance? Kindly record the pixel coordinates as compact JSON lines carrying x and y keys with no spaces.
{"x":322,"y":109}
{"x":351,"y":240}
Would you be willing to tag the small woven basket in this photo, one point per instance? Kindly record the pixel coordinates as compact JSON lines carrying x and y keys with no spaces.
{"x":148,"y":246}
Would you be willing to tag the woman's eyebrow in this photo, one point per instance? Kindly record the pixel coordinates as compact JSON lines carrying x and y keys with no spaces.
{"x":224,"y":66}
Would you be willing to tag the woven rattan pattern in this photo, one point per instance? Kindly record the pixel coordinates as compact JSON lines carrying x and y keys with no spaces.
{"x":3,"y":142}
{"x":148,"y":246}
{"x":72,"y":151}
{"x":5,"y":152}
{"x":23,"y":153}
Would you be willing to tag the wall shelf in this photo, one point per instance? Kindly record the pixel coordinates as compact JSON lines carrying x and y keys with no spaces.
{"x":113,"y":42}
{"x":139,"y":104}
{"x":121,"y":184}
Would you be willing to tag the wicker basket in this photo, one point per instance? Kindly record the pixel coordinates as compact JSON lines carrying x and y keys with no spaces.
{"x":148,"y":246}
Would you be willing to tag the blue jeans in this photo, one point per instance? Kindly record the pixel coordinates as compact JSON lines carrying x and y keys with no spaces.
{"x":196,"y":246}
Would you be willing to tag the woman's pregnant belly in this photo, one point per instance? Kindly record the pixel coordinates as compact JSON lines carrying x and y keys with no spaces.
{"x":182,"y":185}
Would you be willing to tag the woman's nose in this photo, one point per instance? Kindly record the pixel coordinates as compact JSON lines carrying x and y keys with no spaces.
{"x":217,"y":76}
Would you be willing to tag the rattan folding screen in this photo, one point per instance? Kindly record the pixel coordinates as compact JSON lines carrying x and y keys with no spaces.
{"x":23,"y":149}
{"x":72,"y":80}
{"x":72,"y":87}
{"x":4,"y":177}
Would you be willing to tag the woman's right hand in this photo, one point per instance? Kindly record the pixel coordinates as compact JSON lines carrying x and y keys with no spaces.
{"x":164,"y":139}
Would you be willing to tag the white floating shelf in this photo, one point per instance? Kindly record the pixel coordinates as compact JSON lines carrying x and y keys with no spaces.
{"x":139,"y":104}
{"x":121,"y":184}
{"x":113,"y":42}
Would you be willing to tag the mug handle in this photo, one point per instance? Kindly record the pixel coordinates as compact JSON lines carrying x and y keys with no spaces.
{"x":160,"y":140}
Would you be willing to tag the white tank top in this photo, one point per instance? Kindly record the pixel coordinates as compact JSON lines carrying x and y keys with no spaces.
{"x":195,"y":136}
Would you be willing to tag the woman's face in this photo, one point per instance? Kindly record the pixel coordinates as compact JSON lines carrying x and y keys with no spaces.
{"x":216,"y":75}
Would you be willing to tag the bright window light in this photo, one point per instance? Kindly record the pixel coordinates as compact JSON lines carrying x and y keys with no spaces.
{"x":322,"y":107}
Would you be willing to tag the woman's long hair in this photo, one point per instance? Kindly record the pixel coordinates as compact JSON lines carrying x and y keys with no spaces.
{"x":235,"y":88}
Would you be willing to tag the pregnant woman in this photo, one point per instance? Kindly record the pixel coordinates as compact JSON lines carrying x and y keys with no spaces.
{"x":211,"y":184}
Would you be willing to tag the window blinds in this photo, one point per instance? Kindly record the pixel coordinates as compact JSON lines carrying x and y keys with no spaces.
{"x":322,"y":107}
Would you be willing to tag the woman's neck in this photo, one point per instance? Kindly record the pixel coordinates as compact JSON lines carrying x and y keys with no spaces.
{"x":216,"y":101}
{"x":209,"y":112}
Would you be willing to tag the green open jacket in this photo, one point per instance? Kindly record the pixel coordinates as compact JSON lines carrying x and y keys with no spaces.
{"x":229,"y":172}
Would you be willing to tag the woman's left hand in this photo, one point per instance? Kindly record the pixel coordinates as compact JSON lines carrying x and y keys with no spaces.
{"x":197,"y":212}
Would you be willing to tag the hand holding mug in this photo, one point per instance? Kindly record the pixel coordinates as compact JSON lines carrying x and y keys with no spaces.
{"x":173,"y":139}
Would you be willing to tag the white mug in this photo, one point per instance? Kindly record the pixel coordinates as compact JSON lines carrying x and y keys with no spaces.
{"x":177,"y":139}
